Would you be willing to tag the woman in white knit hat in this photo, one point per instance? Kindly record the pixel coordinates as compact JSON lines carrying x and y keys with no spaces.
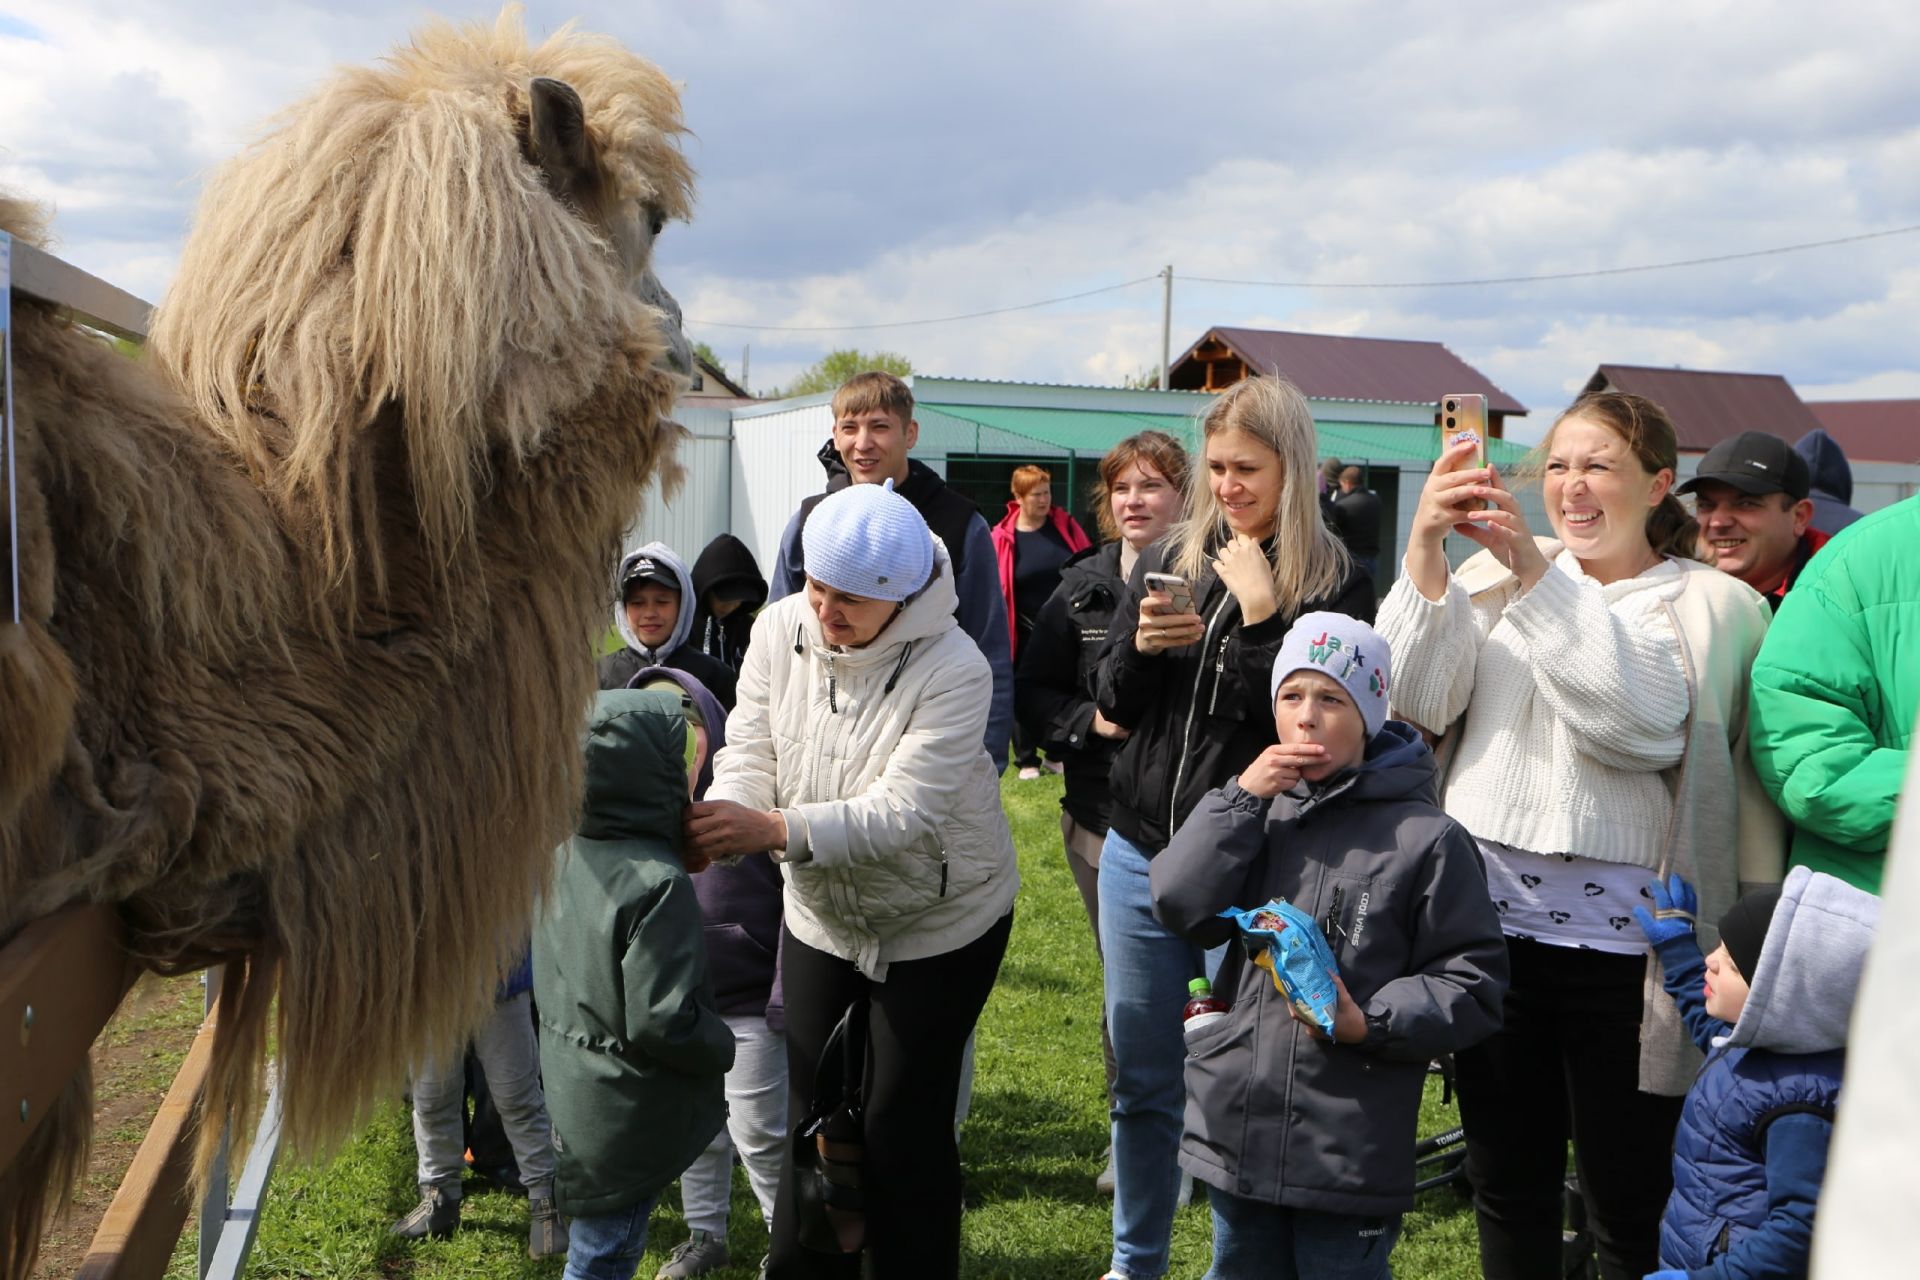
{"x":854,"y":759}
{"x":1592,"y":692}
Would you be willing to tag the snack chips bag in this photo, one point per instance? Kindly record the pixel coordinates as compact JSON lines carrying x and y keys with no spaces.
{"x":1284,"y":940}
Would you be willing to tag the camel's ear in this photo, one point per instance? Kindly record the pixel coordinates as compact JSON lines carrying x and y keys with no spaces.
{"x":559,"y":136}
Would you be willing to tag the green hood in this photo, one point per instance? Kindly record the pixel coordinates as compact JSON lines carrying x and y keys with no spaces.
{"x":636,"y":767}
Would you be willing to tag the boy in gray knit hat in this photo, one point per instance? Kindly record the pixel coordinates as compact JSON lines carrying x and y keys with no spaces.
{"x":1305,"y":1141}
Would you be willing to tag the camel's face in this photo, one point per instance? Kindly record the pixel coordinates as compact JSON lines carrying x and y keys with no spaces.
{"x":559,"y":143}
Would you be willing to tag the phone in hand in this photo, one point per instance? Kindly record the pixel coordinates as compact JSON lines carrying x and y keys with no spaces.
{"x":1464,"y":417}
{"x":1175,"y":586}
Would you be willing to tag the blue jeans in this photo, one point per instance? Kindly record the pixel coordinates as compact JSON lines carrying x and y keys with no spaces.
{"x":607,"y":1246}
{"x":1253,"y":1240}
{"x":1147,"y":969}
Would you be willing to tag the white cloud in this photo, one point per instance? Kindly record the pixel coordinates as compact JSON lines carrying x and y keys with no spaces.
{"x":875,"y":162}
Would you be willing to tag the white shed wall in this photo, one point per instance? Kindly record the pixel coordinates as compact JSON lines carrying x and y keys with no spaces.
{"x":773,"y":469}
{"x":698,"y":513}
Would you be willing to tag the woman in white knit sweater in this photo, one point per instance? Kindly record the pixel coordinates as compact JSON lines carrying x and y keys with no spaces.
{"x":1566,"y":679}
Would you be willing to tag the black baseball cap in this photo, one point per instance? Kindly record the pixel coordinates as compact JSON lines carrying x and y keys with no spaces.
{"x":1754,"y":462}
{"x":647,"y":569}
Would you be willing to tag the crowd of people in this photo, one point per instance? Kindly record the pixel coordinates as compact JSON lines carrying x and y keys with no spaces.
{"x":1541,"y":803}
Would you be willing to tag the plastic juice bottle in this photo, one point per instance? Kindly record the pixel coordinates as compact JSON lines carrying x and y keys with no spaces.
{"x":1203,"y":1008}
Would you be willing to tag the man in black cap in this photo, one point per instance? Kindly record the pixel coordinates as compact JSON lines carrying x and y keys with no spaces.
{"x":1750,"y":500}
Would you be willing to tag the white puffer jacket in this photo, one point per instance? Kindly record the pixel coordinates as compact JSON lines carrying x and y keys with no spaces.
{"x":897,"y":845}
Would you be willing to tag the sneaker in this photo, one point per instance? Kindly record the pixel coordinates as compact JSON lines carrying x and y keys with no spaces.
{"x":1029,"y":774}
{"x":436,"y":1215}
{"x":1185,"y":1195}
{"x":1108,"y":1176}
{"x":546,"y":1229}
{"x":764,"y":1259}
{"x":695,"y":1256}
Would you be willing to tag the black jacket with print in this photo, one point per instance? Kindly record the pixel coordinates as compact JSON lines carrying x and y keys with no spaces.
{"x":1273,"y":1113}
{"x":1200,"y":713}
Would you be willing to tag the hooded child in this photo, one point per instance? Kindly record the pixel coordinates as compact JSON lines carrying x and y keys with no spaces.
{"x":730,"y":589}
{"x":740,"y":902}
{"x":654,"y":616}
{"x":1306,"y":1142}
{"x":633,"y":1050}
{"x":1769,"y":1006}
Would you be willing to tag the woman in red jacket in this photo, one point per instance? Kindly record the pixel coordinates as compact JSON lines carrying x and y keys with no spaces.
{"x":1033,"y":544}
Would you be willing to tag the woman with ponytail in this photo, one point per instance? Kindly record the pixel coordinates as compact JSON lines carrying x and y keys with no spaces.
{"x":1591,"y":694}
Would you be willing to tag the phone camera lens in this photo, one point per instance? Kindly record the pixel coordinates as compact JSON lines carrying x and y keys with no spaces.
{"x":1449,"y":424}
{"x":1452,"y":405}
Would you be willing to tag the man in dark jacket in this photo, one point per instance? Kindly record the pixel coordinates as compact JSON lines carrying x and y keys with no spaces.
{"x":1832,"y":476}
{"x":655,"y":617}
{"x":1359,"y":527}
{"x":729,"y":590}
{"x":1750,"y":501}
{"x":873,"y":432}
{"x":1303,"y":1138}
{"x":633,"y":1050}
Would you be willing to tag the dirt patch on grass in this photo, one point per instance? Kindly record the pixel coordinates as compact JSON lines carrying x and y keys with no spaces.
{"x":134,"y":1061}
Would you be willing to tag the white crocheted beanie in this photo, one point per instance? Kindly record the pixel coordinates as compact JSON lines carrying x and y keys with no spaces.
{"x":867,"y":540}
{"x":1345,"y":648}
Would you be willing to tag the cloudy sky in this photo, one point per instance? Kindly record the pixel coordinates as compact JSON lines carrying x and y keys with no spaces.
{"x":872,"y":163}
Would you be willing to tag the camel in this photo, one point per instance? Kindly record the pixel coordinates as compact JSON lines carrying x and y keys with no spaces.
{"x":311,"y":588}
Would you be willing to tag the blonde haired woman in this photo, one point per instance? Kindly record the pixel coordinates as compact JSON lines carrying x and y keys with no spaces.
{"x":1191,"y":688}
{"x":1593,"y":693}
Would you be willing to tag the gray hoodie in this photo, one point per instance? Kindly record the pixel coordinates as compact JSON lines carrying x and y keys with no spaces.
{"x":1273,"y":1114}
{"x":682,"y":626}
{"x":1801,"y":996}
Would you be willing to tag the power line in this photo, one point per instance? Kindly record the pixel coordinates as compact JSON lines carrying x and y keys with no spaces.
{"x":1555,"y":275}
{"x":1481,"y":282}
{"x":903,"y":324}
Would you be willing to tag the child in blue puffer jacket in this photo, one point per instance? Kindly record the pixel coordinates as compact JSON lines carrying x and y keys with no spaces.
{"x":1769,"y":1007}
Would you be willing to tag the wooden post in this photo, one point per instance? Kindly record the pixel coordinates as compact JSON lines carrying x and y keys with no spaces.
{"x":61,"y":978}
{"x":136,"y":1237}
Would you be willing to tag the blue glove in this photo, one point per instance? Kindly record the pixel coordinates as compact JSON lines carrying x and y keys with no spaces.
{"x":1667,"y":1275}
{"x":1675,"y":905}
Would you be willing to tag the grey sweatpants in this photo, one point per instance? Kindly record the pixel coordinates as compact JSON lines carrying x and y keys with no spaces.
{"x":509,"y":1054}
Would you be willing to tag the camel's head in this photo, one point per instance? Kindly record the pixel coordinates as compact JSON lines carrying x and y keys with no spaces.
{"x":456,"y":243}
{"x":560,"y":142}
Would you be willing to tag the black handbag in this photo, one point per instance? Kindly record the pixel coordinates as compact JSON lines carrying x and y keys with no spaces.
{"x":829,"y":1146}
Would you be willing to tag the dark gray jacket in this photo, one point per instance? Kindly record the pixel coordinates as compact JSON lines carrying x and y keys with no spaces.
{"x":1273,"y":1114}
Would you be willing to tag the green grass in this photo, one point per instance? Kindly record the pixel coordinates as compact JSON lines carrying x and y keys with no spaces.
{"x":1031,"y":1147}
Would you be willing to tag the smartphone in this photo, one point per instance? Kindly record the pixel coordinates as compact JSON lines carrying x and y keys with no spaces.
{"x":1464,"y":417}
{"x":1174,"y":585}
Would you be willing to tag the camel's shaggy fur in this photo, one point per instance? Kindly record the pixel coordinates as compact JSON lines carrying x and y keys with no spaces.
{"x":311,"y":589}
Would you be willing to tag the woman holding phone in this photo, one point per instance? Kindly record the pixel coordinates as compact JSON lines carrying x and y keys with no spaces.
{"x":1591,"y":691}
{"x":1190,"y":688}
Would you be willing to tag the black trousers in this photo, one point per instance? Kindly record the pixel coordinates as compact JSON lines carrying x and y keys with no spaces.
{"x":919,"y":1021}
{"x":1566,"y":1065}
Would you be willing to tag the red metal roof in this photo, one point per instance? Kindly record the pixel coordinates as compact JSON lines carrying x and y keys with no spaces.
{"x":1707,"y":407}
{"x":1333,"y":367}
{"x":1872,"y":430}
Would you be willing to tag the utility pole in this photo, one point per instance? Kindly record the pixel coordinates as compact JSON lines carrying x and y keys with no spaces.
{"x":746,"y":354}
{"x":1166,"y":323}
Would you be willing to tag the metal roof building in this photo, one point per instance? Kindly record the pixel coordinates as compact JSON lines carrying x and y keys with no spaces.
{"x":750,"y":465}
{"x":1708,"y":407}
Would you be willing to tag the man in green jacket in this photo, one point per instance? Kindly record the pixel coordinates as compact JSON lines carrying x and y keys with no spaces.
{"x":1834,"y":691}
{"x":633,"y":1052}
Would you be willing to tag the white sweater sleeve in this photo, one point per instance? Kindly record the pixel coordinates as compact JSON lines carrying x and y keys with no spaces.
{"x":1435,"y":647}
{"x":1614,"y":677}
